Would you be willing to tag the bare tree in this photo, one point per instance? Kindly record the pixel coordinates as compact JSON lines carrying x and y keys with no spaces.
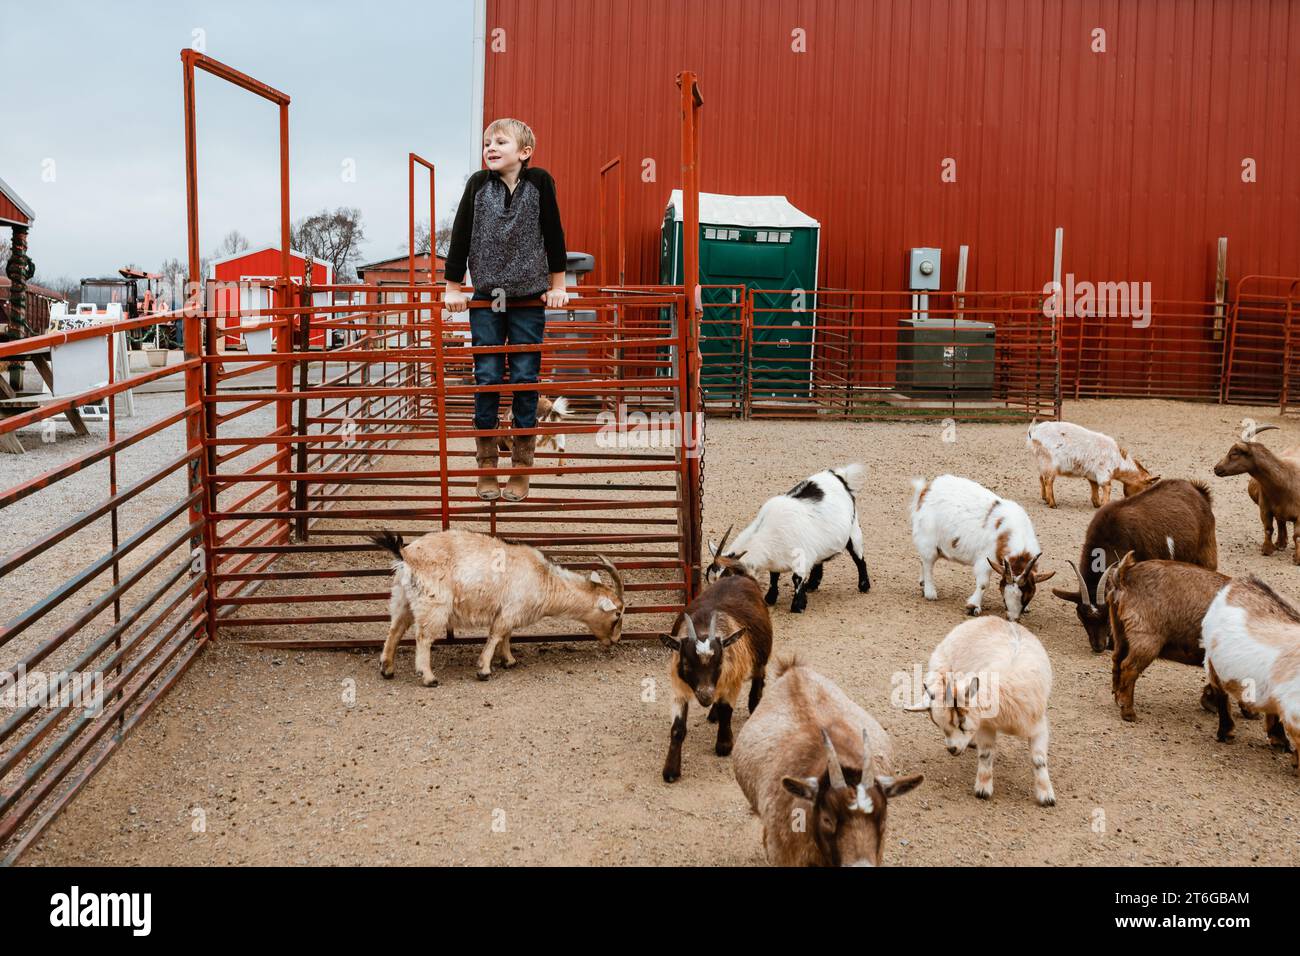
{"x":233,"y":244}
{"x":66,"y":286}
{"x":422,"y":237}
{"x":174,"y":274}
{"x":335,"y":237}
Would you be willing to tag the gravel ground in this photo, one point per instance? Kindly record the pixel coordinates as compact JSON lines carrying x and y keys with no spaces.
{"x":261,"y":756}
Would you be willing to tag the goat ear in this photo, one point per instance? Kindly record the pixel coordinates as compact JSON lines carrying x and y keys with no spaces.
{"x":670,"y":642}
{"x":972,"y":690}
{"x":733,"y":637}
{"x":713,"y":547}
{"x":606,"y":603}
{"x":992,"y":565}
{"x":805,"y":787}
{"x":1064,"y":595}
{"x":1041,"y":576}
{"x":897,"y":786}
{"x":595,"y":577}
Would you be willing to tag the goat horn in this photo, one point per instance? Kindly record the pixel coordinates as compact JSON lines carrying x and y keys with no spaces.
{"x":713,"y":625}
{"x":867,"y":764}
{"x":1028,"y":572}
{"x":1250,"y":431}
{"x":722,"y":545}
{"x":1084,"y":596}
{"x":833,"y":763}
{"x":690,"y":630}
{"x":613,"y":573}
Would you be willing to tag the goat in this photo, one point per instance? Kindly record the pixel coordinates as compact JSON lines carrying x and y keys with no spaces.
{"x":1072,"y":451}
{"x":961,"y":520}
{"x":457,"y":578}
{"x":816,"y":770}
{"x":798,"y":532}
{"x":1171,"y":519}
{"x":1274,"y":485}
{"x":713,"y":669}
{"x":1252,"y":652}
{"x":549,"y":412}
{"x":1156,"y":608}
{"x":988,"y":677}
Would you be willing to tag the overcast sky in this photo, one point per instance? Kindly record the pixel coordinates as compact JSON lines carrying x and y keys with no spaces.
{"x":93,"y":124}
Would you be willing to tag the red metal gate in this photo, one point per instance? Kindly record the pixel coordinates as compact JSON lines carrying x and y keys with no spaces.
{"x":279,"y":463}
{"x":869,"y":360}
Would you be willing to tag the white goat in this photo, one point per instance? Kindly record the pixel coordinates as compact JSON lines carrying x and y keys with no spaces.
{"x":961,"y":520}
{"x":549,"y":412}
{"x":1252,"y":652}
{"x":460,"y":578}
{"x":1073,"y":451}
{"x":985,"y":678}
{"x":798,"y":531}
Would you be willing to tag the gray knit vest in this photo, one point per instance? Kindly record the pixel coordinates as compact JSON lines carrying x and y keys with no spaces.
{"x":506,"y":249}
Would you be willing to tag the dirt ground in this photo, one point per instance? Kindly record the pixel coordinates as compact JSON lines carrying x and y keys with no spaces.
{"x":272,"y":757}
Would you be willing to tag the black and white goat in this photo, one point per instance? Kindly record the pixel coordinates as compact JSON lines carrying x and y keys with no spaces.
{"x":797,"y":532}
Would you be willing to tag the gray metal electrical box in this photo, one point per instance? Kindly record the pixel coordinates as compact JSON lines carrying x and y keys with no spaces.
{"x":945,"y":358}
{"x":924,"y":271}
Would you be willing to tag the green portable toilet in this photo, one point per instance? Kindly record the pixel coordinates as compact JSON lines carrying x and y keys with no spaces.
{"x":760,"y":242}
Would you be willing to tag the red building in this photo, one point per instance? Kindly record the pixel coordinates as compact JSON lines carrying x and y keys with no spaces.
{"x":246,"y":282}
{"x":396,"y":272}
{"x":1145,"y":130}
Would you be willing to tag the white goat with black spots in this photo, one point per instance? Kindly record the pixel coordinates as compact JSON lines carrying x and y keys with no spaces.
{"x":797,"y":532}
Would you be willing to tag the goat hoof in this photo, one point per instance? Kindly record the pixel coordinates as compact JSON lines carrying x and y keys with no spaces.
{"x":864,"y":586}
{"x":797,"y":608}
{"x":1128,"y":715}
{"x":672,"y":774}
{"x":481,"y":675}
{"x":509,"y":664}
{"x":984,"y":794}
{"x":386,"y":674}
{"x":972,"y":611}
{"x":429,"y":681}
{"x":723,"y":750}
{"x":1225,"y":738}
{"x":1047,"y":801}
{"x":770,"y":597}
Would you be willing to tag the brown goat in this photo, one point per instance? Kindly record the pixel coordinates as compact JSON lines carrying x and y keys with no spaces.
{"x":1156,"y":609}
{"x":733,"y":617}
{"x":1171,"y":520}
{"x":817,"y":770}
{"x":1276,"y":481}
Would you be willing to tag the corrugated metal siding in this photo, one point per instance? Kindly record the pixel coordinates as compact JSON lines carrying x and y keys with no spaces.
{"x":1137,"y":152}
{"x":9,"y":212}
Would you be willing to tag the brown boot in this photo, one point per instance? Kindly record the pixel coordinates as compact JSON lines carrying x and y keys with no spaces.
{"x":521,"y":457}
{"x":486,"y":456}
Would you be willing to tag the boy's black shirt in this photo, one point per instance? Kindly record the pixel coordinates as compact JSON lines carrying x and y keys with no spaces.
{"x":508,"y":251}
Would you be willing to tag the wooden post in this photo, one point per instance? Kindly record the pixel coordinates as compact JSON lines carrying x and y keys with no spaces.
{"x":1220,"y":288}
{"x":963,"y":254}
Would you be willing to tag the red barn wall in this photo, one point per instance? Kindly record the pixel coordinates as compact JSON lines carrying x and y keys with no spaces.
{"x":1137,"y":152}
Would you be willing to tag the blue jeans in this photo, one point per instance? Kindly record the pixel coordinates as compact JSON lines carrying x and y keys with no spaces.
{"x":523,"y":326}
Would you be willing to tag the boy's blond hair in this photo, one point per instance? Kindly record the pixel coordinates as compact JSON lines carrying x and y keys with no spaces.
{"x":518,"y":129}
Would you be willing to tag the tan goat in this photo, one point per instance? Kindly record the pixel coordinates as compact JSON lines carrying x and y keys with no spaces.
{"x":456,"y":578}
{"x":800,"y":759}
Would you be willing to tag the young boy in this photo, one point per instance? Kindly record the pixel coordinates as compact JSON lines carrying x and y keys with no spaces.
{"x":508,"y":230}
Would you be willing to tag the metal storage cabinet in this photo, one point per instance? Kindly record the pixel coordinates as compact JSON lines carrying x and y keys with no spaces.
{"x":945,"y":358}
